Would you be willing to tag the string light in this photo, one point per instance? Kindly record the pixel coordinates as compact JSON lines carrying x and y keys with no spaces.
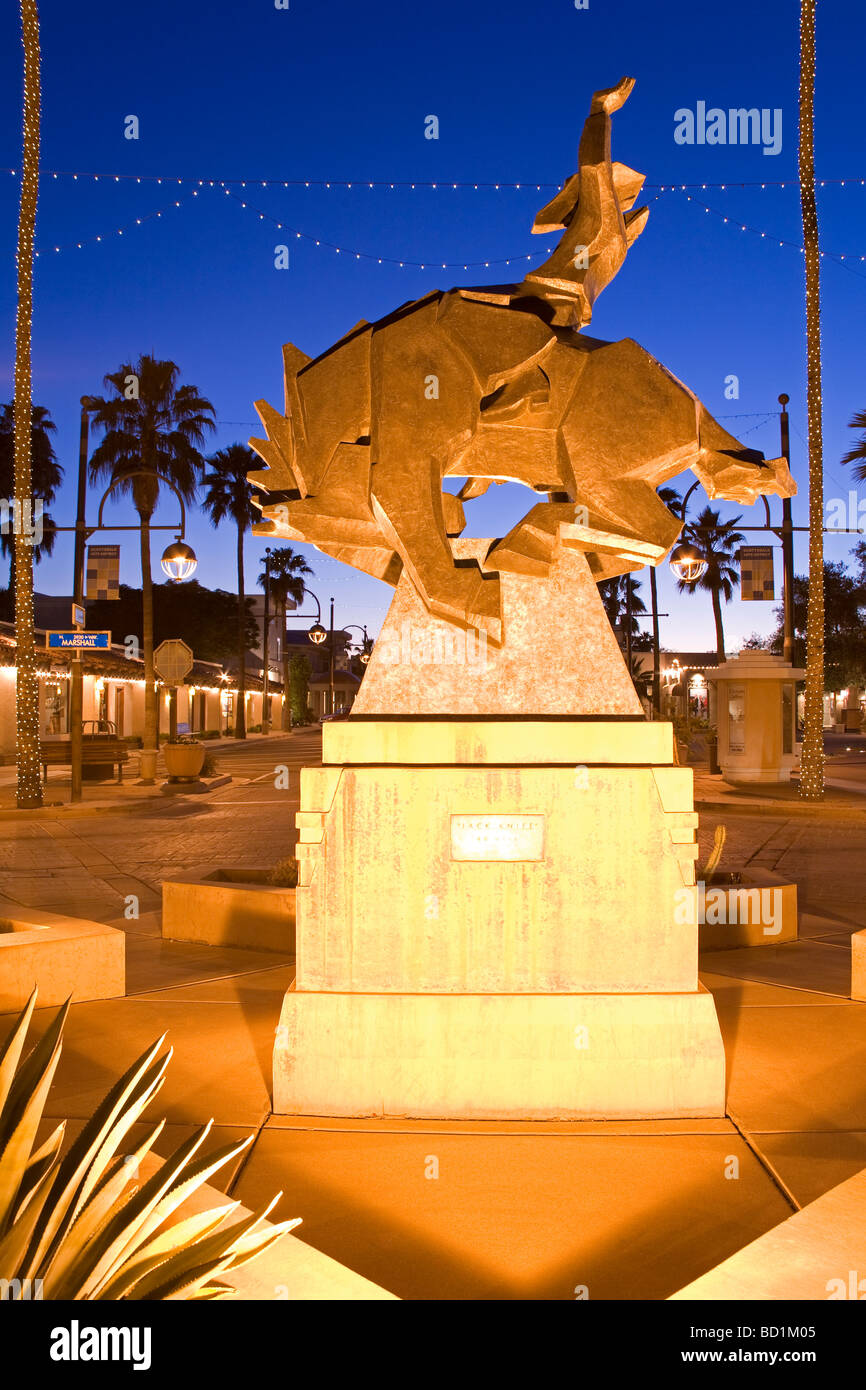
{"x":842,"y":258}
{"x":414,"y":184}
{"x":137,"y":222}
{"x":29,"y":788}
{"x":371,"y":256}
{"x":812,"y":759}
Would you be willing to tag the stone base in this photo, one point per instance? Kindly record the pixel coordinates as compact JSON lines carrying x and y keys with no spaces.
{"x":499,"y":1056}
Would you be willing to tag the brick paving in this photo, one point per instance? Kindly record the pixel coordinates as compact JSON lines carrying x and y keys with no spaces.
{"x":89,"y":863}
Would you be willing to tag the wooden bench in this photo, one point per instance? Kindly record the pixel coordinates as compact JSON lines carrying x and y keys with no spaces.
{"x":95,"y":751}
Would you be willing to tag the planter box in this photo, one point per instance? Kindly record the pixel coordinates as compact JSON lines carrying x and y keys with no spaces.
{"x":64,"y":956}
{"x":229,"y":907}
{"x":858,"y":965}
{"x":759,"y":910}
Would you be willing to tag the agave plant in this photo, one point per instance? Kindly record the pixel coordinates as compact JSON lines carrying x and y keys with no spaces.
{"x":84,"y":1227}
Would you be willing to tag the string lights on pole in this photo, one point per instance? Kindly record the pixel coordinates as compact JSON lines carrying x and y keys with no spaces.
{"x":812,"y":759}
{"x":29,"y":783}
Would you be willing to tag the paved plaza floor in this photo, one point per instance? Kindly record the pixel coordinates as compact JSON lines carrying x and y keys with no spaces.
{"x":432,"y":1210}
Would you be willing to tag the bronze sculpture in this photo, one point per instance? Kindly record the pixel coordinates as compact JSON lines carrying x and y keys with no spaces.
{"x":499,"y":383}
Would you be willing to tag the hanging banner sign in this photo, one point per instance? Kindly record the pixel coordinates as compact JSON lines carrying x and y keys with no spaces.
{"x":756,"y":574}
{"x":103,"y":571}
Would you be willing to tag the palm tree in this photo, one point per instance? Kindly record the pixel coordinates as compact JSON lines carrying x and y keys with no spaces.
{"x":286,"y":569}
{"x":857,"y":453}
{"x":46,"y":475}
{"x":812,"y":761}
{"x":674,"y":502}
{"x":717,"y":542}
{"x":621,"y":598}
{"x":29,"y":785}
{"x":154,"y":427}
{"x":228,"y":494}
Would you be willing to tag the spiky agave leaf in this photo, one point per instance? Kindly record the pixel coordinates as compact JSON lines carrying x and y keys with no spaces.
{"x":22,"y":1112}
{"x":102,"y":1206}
{"x":149,"y":1208}
{"x":78,"y":1224}
{"x":79,"y":1171}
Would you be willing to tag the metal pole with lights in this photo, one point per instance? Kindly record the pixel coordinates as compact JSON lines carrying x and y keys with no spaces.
{"x":178,"y":563}
{"x":319,"y":634}
{"x":266,"y":714}
{"x":366,"y":647}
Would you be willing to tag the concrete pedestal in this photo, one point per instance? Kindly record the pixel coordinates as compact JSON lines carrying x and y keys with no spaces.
{"x":490,"y":923}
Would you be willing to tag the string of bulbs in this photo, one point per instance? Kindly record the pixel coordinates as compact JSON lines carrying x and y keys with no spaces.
{"x":406,"y":263}
{"x":436,"y":185}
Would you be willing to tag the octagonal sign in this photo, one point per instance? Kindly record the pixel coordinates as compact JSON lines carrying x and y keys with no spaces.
{"x":173,"y":661}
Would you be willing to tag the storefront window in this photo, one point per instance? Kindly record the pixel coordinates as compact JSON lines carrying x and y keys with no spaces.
{"x":56,"y":716}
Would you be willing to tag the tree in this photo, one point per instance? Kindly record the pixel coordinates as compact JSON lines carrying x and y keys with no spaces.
{"x":154,"y":427}
{"x":287,"y":570}
{"x":812,"y":762}
{"x":717,"y":542}
{"x":46,"y":475}
{"x":844,"y":630}
{"x":29,"y":784}
{"x":299,"y":686}
{"x":857,"y":453}
{"x":204,"y":618}
{"x":228,"y":495}
{"x":615,"y":597}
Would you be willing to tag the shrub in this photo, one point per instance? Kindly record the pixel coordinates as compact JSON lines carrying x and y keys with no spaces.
{"x":284,"y":874}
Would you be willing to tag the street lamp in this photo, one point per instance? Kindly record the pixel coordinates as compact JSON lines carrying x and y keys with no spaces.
{"x":178,"y":561}
{"x":318,"y":634}
{"x":687,"y":563}
{"x":366,"y":646}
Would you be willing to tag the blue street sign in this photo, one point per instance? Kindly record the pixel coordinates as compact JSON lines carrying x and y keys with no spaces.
{"x":80,"y":641}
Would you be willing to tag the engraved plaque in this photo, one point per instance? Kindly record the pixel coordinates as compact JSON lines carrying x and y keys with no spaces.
{"x":490,"y":838}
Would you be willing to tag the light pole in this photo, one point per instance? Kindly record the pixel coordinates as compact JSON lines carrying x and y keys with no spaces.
{"x":688,"y":565}
{"x":318,"y":634}
{"x":366,"y":646}
{"x":266,"y":714}
{"x":787,"y":543}
{"x":178,"y":561}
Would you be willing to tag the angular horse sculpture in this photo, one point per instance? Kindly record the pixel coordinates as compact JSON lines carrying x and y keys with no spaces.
{"x":500,"y":384}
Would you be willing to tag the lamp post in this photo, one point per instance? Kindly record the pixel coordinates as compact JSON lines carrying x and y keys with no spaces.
{"x":319,"y":634}
{"x":178,"y":562}
{"x":787,"y":544}
{"x":366,"y":646}
{"x":684,"y":556}
{"x":266,"y":714}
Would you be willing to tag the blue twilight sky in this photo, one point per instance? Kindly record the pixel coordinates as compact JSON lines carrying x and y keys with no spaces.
{"x":335,"y":89}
